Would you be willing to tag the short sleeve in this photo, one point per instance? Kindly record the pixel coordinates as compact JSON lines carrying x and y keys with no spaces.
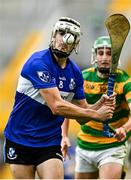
{"x":39,"y":74}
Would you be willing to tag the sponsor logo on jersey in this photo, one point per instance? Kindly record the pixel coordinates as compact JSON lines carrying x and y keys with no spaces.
{"x":67,"y":96}
{"x":62,"y":78}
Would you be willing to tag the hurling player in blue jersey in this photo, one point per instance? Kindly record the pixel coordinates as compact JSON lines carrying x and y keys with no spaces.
{"x":50,"y":87}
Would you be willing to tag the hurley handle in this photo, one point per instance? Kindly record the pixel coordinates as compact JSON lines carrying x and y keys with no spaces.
{"x":111,"y":82}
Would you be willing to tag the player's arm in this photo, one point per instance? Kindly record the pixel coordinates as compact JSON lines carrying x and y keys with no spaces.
{"x":106,"y":100}
{"x":65,"y":142}
{"x":65,"y":127}
{"x":120,"y":133}
{"x":66,"y":109}
{"x":81,"y":103}
{"x":127,"y":126}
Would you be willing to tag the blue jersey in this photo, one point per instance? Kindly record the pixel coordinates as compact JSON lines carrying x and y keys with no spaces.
{"x":31,"y":122}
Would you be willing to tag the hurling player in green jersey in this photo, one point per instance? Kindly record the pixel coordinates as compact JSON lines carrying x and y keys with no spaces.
{"x":98,"y":156}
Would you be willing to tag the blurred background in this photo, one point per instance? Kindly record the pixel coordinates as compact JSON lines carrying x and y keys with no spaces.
{"x":25,"y":27}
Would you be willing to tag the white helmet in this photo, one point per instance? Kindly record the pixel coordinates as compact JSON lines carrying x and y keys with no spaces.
{"x":68,"y":25}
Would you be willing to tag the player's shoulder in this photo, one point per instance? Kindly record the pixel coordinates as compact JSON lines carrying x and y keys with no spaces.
{"x":122,"y":72}
{"x":37,"y":58}
{"x":122,"y":75}
{"x":88,"y":70}
{"x":74,"y":65}
{"x":35,"y":62}
{"x":39,"y":55}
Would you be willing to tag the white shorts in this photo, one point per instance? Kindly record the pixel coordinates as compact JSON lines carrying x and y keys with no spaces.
{"x":90,"y":161}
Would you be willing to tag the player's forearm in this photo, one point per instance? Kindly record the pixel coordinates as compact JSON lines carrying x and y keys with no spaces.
{"x":107,"y":100}
{"x":97,"y":105}
{"x":65,"y":127}
{"x":127,"y":126}
{"x":70,"y":110}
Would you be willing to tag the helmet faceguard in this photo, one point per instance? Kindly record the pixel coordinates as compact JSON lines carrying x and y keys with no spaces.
{"x":101,"y":42}
{"x":67,"y":25}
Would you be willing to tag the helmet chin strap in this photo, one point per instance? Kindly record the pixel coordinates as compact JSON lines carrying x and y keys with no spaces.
{"x":60,"y":54}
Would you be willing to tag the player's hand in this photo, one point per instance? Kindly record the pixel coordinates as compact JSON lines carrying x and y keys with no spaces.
{"x":109,"y":100}
{"x":105,"y":112}
{"x":65,"y":144}
{"x":120,"y":134}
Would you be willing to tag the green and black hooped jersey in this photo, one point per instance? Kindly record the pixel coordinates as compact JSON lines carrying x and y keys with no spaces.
{"x":91,"y":135}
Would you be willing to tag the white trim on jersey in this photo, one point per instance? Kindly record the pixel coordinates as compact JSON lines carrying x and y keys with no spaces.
{"x":26,"y":87}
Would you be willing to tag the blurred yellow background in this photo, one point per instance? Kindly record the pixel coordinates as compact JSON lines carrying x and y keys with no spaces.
{"x":29,"y":15}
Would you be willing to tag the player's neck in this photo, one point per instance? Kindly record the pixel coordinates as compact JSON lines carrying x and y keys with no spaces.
{"x":62,"y":62}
